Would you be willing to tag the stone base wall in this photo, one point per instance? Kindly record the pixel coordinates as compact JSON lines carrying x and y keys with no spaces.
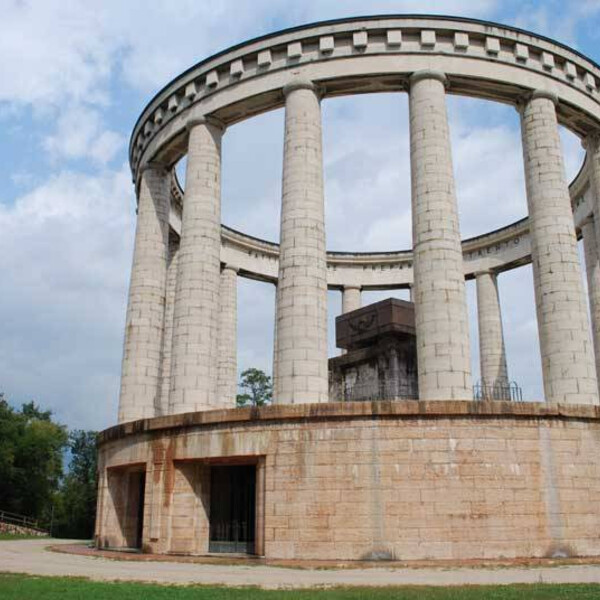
{"x":387,"y":369}
{"x":13,"y":529}
{"x":402,"y":480}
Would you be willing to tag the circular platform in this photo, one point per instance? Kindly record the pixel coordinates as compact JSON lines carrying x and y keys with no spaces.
{"x":366,"y":481}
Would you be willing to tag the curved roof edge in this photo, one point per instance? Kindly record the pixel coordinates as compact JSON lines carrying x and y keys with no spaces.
{"x":349,"y":20}
{"x":519,"y":223}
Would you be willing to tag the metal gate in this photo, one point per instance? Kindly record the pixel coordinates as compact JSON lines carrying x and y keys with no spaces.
{"x":141,"y":494}
{"x":232,"y":508}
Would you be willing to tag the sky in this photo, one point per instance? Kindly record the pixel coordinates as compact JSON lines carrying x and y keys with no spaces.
{"x":75,"y":75}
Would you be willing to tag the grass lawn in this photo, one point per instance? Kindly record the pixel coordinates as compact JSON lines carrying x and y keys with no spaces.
{"x":13,"y":587}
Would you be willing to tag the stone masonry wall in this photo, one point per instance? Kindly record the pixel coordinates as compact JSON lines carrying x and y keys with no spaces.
{"x":388,"y":485}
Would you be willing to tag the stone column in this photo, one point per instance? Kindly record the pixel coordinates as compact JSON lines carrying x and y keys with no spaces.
{"x":592,"y":265}
{"x":142,"y":352}
{"x":492,"y":352}
{"x":350,"y":298}
{"x":274,"y":363}
{"x":158,"y":468}
{"x":168,"y":334}
{"x":567,"y":358}
{"x":592,"y":145}
{"x":227,"y":364}
{"x":196,"y":318}
{"x":441,"y":316}
{"x":301,"y":362}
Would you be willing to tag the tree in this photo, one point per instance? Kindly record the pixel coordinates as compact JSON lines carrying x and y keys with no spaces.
{"x":31,"y":453}
{"x":257,"y":387}
{"x":75,"y":503}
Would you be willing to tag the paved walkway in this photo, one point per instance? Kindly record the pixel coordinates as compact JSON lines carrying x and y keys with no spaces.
{"x":31,"y":556}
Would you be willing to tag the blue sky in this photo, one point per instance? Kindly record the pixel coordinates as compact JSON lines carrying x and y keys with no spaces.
{"x":74,"y":77}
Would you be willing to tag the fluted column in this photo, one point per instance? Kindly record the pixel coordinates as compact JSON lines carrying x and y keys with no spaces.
{"x":196,"y":318}
{"x":441,"y":316}
{"x":301,"y":361}
{"x":350,"y":298}
{"x":592,"y":264}
{"x":492,"y":352}
{"x":227,"y":367}
{"x":566,"y":348}
{"x":142,"y":352}
{"x":168,"y":331}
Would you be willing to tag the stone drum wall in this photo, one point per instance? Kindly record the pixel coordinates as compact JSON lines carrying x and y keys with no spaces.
{"x":402,"y":480}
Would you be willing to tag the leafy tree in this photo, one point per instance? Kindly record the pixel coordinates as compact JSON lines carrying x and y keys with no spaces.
{"x":257,"y":387}
{"x":31,"y":447}
{"x":75,"y":503}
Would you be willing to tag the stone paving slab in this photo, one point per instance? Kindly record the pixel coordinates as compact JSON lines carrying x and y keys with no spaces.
{"x":34,"y":557}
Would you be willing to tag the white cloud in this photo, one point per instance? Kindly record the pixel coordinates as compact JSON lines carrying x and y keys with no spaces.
{"x":61,"y":51}
{"x":367,"y":172}
{"x":53,"y":52}
{"x":256,"y":305}
{"x":65,"y":252}
{"x":560,"y":20}
{"x":573,"y":153}
{"x":488,"y":165}
{"x":80,"y":133}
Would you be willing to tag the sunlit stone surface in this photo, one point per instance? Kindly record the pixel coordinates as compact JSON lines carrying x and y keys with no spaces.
{"x":429,"y":473}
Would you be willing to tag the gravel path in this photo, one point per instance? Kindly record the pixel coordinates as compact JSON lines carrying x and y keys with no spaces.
{"x":31,"y":556}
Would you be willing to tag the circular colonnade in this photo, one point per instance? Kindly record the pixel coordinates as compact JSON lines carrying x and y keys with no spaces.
{"x":507,"y":471}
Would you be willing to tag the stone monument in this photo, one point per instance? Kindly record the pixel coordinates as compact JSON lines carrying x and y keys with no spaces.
{"x":433,"y":476}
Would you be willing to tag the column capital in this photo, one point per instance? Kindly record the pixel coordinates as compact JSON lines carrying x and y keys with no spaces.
{"x":545,"y":95}
{"x":485,"y":272}
{"x":154,"y":165}
{"x":589,"y":220}
{"x":352,"y":287}
{"x":428,"y":74}
{"x":227,"y":266}
{"x":299,"y":83}
{"x":591,"y":140}
{"x":206,"y":120}
{"x":522,"y":102}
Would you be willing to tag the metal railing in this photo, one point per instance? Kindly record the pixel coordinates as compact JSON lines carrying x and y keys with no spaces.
{"x":389,"y":389}
{"x":497,"y":391}
{"x":394,"y":389}
{"x":10,"y":518}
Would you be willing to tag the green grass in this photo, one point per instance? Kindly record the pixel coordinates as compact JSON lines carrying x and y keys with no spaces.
{"x":13,"y":587}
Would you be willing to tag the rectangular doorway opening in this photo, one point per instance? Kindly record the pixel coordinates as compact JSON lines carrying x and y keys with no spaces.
{"x":139,"y":481}
{"x":125,"y":524}
{"x":232,"y":509}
